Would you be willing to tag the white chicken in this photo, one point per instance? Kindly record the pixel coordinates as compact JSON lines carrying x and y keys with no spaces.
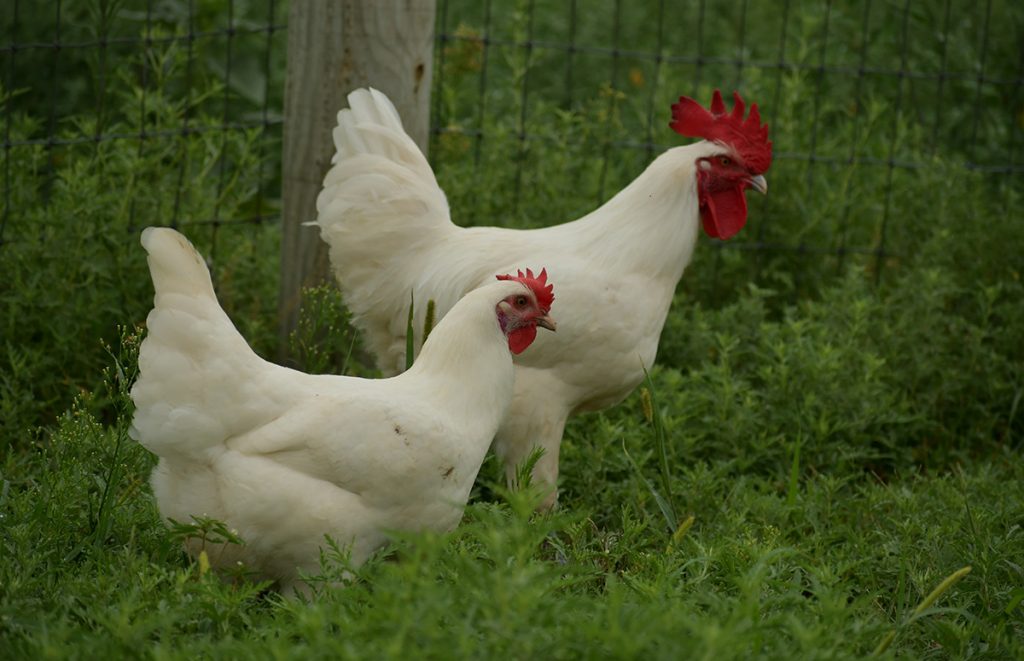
{"x":389,"y":231}
{"x":284,"y":457}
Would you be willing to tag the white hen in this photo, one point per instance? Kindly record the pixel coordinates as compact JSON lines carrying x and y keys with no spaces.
{"x":285,"y":457}
{"x":388,"y":226}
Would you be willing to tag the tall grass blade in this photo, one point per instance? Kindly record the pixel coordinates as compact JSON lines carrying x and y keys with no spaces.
{"x":680,"y":532}
{"x":410,"y":336}
{"x":428,"y":322}
{"x":660,"y":444}
{"x":927,"y":603}
{"x":665,"y":506}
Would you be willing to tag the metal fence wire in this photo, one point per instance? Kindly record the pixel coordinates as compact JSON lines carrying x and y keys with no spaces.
{"x":547,"y":107}
{"x":863,"y":99}
{"x":174,"y":78}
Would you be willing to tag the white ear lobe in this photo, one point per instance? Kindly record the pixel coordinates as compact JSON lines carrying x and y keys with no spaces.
{"x":704,"y":165}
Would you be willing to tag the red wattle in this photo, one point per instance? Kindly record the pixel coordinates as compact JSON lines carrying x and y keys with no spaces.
{"x":521,"y":338}
{"x":724,"y":212}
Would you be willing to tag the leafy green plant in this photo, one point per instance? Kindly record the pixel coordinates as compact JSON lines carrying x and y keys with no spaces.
{"x":841,"y":429}
{"x":71,"y":266}
{"x":324,"y":341}
{"x":927,"y":603}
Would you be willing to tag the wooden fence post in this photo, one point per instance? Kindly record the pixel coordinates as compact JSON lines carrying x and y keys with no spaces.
{"x":335,"y":46}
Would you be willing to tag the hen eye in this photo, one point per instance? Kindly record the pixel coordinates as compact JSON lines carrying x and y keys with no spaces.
{"x":520,"y":301}
{"x":724,"y":160}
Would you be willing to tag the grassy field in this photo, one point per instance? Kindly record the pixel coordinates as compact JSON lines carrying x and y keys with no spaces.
{"x":842,"y":414}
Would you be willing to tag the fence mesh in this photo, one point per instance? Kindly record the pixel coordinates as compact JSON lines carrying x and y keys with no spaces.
{"x":863,"y":99}
{"x":118,"y":114}
{"x":189,"y":85}
{"x":546,"y":107}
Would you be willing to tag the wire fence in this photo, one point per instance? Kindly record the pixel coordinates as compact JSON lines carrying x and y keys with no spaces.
{"x":550,"y":106}
{"x":118,"y":114}
{"x":167,"y":77}
{"x":862,"y":99}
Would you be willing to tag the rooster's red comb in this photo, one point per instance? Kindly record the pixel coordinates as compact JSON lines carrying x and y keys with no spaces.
{"x":749,"y":138}
{"x":538,"y":284}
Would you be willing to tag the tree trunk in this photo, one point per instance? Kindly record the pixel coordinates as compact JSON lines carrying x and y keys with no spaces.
{"x":335,"y":46}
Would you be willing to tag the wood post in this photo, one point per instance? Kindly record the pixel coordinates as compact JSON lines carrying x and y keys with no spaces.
{"x":335,"y":46}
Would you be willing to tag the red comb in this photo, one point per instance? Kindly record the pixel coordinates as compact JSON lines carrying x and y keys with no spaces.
{"x":748,"y":137}
{"x":538,"y":284}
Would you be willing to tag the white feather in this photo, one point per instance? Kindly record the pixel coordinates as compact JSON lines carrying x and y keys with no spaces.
{"x":285,"y":457}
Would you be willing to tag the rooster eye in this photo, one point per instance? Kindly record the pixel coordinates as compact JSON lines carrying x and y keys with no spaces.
{"x":724,"y":160}
{"x":520,"y":301}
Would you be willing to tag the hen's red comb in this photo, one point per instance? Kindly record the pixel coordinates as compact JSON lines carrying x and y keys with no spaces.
{"x":748,"y":137}
{"x":538,"y":284}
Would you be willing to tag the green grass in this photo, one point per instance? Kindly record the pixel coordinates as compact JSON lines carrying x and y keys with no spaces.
{"x":838,"y":462}
{"x":827,"y":439}
{"x":826,"y":569}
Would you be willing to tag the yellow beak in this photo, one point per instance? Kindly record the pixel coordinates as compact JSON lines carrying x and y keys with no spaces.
{"x":759,"y":183}
{"x":544,"y":321}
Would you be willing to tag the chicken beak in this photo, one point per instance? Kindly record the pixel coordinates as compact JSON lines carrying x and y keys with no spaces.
{"x":759,"y":183}
{"x":544,"y":321}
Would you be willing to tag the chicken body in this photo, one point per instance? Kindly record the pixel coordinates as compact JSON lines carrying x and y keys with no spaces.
{"x":285,"y":457}
{"x":388,"y":227}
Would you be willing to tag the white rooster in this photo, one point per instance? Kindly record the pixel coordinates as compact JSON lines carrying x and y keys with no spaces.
{"x":285,"y":457}
{"x":388,"y":227}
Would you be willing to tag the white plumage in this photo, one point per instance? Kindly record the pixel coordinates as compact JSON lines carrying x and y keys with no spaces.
{"x":388,"y":227}
{"x":285,"y":457}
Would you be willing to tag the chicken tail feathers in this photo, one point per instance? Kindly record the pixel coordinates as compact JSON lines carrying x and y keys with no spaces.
{"x":380,"y":204}
{"x":175,"y":265}
{"x":199,"y":382}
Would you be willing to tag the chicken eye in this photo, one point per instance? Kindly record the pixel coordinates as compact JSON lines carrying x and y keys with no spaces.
{"x":520,"y":301}
{"x":724,"y":160}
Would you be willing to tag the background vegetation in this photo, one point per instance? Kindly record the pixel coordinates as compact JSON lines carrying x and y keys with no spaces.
{"x":841,"y":386}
